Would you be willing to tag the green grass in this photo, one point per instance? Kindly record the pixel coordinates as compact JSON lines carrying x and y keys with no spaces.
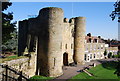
{"x":40,"y":78}
{"x":15,"y":56}
{"x":11,"y":58}
{"x":102,"y":71}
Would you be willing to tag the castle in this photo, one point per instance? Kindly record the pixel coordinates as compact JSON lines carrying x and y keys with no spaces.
{"x":55,"y":40}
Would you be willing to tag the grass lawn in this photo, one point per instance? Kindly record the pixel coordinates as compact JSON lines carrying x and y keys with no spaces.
{"x":102,"y":71}
{"x":40,"y":78}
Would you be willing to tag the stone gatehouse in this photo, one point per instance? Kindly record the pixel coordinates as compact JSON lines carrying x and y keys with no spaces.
{"x":55,"y":40}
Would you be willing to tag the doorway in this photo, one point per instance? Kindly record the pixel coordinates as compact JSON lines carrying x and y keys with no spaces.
{"x":65,"y":59}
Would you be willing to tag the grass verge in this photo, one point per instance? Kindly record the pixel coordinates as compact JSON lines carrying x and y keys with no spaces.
{"x":40,"y":78}
{"x":11,"y":58}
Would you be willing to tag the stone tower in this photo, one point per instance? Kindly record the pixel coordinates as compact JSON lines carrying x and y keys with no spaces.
{"x":49,"y":48}
{"x":59,"y":41}
{"x":79,"y":40}
{"x":23,"y":30}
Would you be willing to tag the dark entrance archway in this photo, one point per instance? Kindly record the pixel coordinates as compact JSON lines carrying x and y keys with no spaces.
{"x":65,"y":59}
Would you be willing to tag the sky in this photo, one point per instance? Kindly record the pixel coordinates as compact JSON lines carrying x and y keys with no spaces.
{"x":98,"y":21}
{"x":63,"y":0}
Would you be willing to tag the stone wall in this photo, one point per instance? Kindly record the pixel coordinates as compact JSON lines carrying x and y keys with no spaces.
{"x":26,"y":65}
{"x":68,"y":39}
{"x":22,"y":39}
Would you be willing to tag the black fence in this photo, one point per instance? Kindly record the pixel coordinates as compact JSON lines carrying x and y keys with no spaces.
{"x":11,"y":74}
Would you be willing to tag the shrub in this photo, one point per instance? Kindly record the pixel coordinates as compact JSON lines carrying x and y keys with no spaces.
{"x":116,"y":56}
{"x":105,"y":52}
{"x":110,"y":55}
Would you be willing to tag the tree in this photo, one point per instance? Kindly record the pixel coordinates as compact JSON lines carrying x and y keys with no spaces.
{"x":105,"y":52}
{"x":12,"y":44}
{"x":118,"y":69}
{"x":118,"y":54}
{"x":7,"y":26}
{"x":110,"y":55}
{"x":9,"y":32}
{"x":116,"y":12}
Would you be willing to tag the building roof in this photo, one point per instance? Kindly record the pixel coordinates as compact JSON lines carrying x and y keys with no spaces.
{"x":95,"y":39}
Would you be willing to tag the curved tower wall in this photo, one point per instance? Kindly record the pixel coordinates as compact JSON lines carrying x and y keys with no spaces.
{"x":52,"y":23}
{"x":22,"y":36}
{"x":79,"y":40}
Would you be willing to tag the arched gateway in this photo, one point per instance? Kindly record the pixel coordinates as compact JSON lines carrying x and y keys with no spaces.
{"x":65,"y":59}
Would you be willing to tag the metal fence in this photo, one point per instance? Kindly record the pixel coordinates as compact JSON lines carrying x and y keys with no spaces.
{"x":8,"y":73}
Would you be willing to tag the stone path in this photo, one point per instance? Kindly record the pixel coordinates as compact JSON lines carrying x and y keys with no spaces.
{"x":70,"y":71}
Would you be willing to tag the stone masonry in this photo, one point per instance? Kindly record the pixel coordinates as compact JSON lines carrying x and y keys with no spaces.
{"x":56,"y":40}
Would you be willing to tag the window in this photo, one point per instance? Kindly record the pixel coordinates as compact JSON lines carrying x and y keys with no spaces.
{"x":54,"y":61}
{"x":71,"y":46}
{"x":90,"y":56}
{"x":66,"y":46}
{"x":61,"y":46}
{"x":94,"y":55}
{"x":72,"y":31}
{"x":85,"y":57}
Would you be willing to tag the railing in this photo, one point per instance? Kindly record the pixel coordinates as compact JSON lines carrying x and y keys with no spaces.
{"x":11,"y":74}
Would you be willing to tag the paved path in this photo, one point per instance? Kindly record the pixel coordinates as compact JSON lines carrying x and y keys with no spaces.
{"x":69,"y":71}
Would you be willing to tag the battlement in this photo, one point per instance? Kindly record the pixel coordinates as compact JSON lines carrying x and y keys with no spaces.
{"x":70,"y":21}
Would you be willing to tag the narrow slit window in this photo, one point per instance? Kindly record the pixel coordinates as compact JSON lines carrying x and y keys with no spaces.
{"x":54,"y":61}
{"x":66,"y":46}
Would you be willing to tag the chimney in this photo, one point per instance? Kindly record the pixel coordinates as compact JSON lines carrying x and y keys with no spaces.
{"x":99,"y":37}
{"x":89,"y":34}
